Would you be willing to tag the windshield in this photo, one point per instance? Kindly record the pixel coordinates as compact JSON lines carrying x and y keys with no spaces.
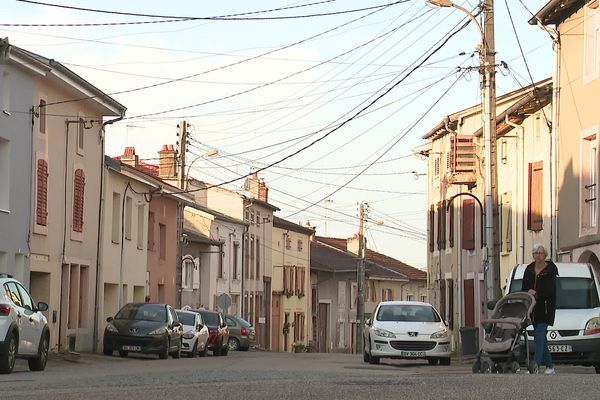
{"x":211,"y":319}
{"x":571,"y":293}
{"x":187,"y":318}
{"x":143,"y":312}
{"x":410,"y":313}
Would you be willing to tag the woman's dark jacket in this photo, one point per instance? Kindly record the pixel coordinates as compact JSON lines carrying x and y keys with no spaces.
{"x":545,"y":286}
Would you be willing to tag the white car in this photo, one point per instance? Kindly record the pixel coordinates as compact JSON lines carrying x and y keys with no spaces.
{"x":195,"y":333}
{"x":406,"y":330}
{"x":23,"y":328}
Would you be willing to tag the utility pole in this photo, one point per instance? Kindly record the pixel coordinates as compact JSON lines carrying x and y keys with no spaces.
{"x":361,"y":279}
{"x":488,"y":73}
{"x":182,"y":142}
{"x":181,"y":177}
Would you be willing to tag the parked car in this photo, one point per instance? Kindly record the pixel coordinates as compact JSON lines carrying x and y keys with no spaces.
{"x":144,"y":328}
{"x":575,"y":336}
{"x":24,"y":329}
{"x":218,"y":339}
{"x":195,"y":333}
{"x":241,"y":333}
{"x":406,"y":330}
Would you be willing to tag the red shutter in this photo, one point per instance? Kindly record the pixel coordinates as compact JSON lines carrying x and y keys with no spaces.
{"x":468,"y":224}
{"x":42,"y":193}
{"x":78,"y":195}
{"x":439,"y":225}
{"x":451,"y":223}
{"x":534,"y":211}
{"x":469,"y":296}
{"x":431,"y":228}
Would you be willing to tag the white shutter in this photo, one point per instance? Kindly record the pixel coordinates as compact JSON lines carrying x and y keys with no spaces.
{"x":196,"y":274}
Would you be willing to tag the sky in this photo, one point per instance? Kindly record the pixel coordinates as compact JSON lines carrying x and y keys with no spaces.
{"x":324,"y":98}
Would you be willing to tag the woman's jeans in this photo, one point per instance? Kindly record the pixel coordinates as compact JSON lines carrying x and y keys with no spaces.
{"x":541,"y":351}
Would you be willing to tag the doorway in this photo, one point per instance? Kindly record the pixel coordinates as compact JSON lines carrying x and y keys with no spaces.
{"x":276,"y":322}
{"x":323,"y":323}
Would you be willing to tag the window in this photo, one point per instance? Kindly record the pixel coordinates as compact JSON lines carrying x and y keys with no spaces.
{"x":116,"y":217}
{"x":236,"y":249}
{"x":78,"y":197}
{"x":431,"y":237}
{"x":27,"y":301}
{"x":250,"y":266}
{"x":300,"y":245}
{"x":387,"y":294}
{"x":141,"y":214}
{"x":299,"y":280}
{"x":410,"y":297}
{"x":221,"y":256}
{"x":451,"y":225}
{"x":4,"y":174}
{"x":441,"y":225}
{"x":591,"y":53}
{"x":436,"y":168}
{"x":468,"y":224}
{"x":246,"y":257}
{"x":187,"y":276}
{"x":162,"y":237}
{"x":288,"y":241}
{"x":506,"y":222}
{"x":80,"y":136}
{"x":463,"y":154}
{"x":41,"y":210}
{"x":257,"y":258}
{"x":42,"y":113}
{"x":128,"y":217}
{"x":299,"y":327}
{"x":423,"y":298}
{"x":251,"y":218}
{"x":535,"y":188}
{"x":150,"y":230}
{"x":588,"y":182}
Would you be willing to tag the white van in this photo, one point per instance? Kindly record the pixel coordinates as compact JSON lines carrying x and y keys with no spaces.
{"x":575,"y":336}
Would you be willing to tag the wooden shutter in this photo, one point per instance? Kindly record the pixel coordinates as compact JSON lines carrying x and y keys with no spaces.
{"x":78,"y":195}
{"x":469,"y":296}
{"x":431,"y":228}
{"x":468,"y":224}
{"x":439,"y":225}
{"x":534,"y":209}
{"x":42,"y":193}
{"x":450,"y":303}
{"x":451,"y":225}
{"x":285,"y":280}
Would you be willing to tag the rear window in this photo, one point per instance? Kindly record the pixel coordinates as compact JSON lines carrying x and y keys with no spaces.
{"x":187,"y":318}
{"x":410,"y":313}
{"x":209,"y":318}
{"x":143,"y":312}
{"x":571,"y":293}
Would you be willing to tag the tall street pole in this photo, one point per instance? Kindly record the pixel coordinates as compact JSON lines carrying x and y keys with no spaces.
{"x":181,"y":177}
{"x":361,"y":279}
{"x":488,"y":65}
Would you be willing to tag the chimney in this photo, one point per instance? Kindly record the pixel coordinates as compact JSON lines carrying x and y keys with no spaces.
{"x":251,"y":185}
{"x":130,"y":158}
{"x":263,"y":191}
{"x":352,"y":244}
{"x":166,"y":163}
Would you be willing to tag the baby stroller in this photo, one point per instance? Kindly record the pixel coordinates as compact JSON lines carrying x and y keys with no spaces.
{"x":505,"y":347}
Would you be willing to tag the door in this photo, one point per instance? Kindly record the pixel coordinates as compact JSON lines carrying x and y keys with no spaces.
{"x":323,"y":319}
{"x":469,"y":301}
{"x":32,"y":319}
{"x":26,"y":334}
{"x":276,"y":327}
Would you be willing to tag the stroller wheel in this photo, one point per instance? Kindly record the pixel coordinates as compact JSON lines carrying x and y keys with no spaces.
{"x":533,"y":367}
{"x":486,"y":368}
{"x":515,"y":367}
{"x":476,"y":368}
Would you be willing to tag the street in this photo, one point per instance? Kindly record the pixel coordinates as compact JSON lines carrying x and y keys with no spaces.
{"x":264,"y":375}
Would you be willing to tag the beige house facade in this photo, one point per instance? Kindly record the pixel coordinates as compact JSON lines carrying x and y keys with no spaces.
{"x":455,"y":164}
{"x":291,"y":294}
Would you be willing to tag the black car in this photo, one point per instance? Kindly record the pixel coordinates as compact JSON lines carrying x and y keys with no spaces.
{"x":144,"y":328}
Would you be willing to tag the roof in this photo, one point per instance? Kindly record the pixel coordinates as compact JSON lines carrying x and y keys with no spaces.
{"x":253,"y":200}
{"x":285,"y":224}
{"x":332,"y":254}
{"x":556,"y":11}
{"x":197,"y":237}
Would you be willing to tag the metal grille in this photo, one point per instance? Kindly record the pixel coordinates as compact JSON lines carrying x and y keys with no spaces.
{"x":410,"y":345}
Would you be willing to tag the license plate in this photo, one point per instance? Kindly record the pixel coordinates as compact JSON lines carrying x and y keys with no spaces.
{"x":412,"y":353}
{"x":560,"y":348}
{"x":132,"y":348}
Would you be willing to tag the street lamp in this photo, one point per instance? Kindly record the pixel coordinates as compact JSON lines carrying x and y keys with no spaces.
{"x":210,"y":153}
{"x":488,"y":102}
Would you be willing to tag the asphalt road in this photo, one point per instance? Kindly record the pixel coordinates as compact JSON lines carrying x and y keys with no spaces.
{"x":263,"y":375}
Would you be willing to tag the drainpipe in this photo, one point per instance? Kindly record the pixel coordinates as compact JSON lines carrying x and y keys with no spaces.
{"x":100,"y":230}
{"x":520,"y":167}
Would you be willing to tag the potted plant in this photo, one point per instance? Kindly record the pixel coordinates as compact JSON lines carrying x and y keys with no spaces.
{"x":299,"y":347}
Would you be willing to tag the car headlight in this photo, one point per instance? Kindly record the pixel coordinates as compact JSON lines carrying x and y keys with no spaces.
{"x":188,"y":335}
{"x":592,"y":327}
{"x":384,"y":333}
{"x":111,"y":328}
{"x":440,"y":334}
{"x":159,"y":331}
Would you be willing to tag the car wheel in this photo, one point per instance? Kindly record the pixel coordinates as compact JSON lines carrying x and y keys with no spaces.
{"x":372,"y":360}
{"x":39,"y":363}
{"x":433,"y":361}
{"x":123,"y":353}
{"x":7,"y":361}
{"x":234,"y":344}
{"x":445,"y":361}
{"x":194,"y":349}
{"x":486,"y":368}
{"x":164,"y":354}
{"x":597,"y":368}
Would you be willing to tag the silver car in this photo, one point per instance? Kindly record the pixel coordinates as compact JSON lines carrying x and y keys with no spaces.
{"x":195,"y":333}
{"x":406,"y":330}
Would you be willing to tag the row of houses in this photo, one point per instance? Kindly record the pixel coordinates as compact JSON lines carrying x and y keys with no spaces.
{"x":88,"y":233}
{"x":547,"y":166}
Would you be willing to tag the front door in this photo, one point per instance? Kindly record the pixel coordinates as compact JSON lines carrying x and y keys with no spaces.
{"x":276,"y":327}
{"x":323,"y":319}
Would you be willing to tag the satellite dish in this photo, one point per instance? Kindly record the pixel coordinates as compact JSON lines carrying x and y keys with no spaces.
{"x":224,"y":301}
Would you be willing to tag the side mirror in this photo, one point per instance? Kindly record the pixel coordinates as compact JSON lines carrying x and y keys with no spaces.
{"x":109,"y":319}
{"x":41,"y":306}
{"x":200,"y":327}
{"x":368,"y":322}
{"x":176,"y":324}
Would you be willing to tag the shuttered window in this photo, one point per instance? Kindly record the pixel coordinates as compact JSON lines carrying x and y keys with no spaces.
{"x":431,"y":237}
{"x":534,"y":208}
{"x":451,"y":225}
{"x":441,"y":225}
{"x":468,"y":224}
{"x":41,"y":211}
{"x":78,"y":196}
